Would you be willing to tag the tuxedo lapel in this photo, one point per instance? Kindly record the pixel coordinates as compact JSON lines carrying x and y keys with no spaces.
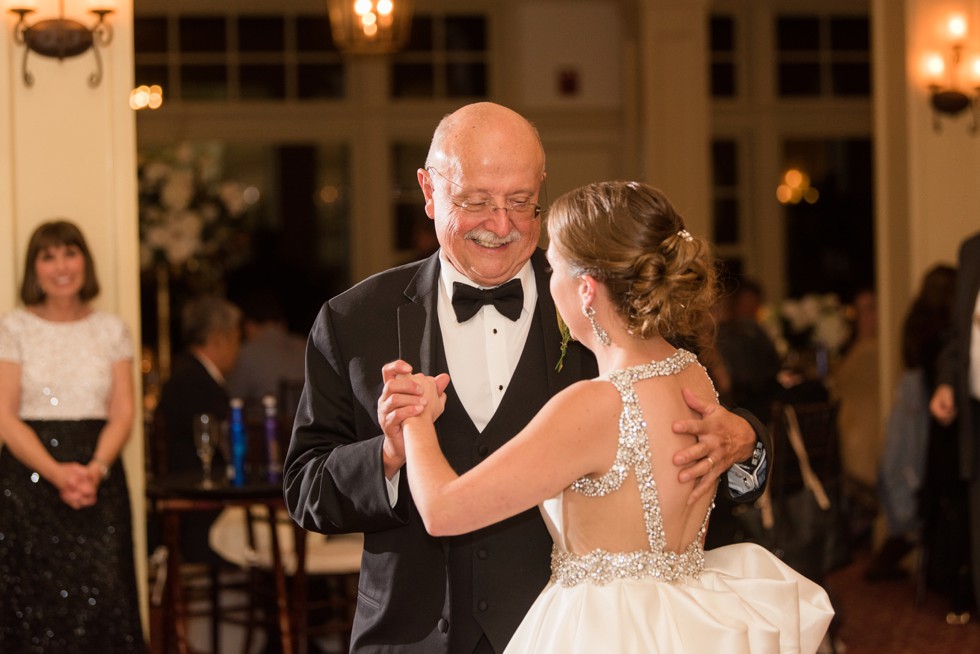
{"x":418,"y":323}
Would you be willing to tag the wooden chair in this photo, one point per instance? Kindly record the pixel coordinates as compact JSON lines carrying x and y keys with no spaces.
{"x":243,"y":537}
{"x":202,"y":583}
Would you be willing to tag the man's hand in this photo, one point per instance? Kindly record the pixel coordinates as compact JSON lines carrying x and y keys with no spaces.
{"x":943,"y":405}
{"x":400,"y":399}
{"x":723,"y":440}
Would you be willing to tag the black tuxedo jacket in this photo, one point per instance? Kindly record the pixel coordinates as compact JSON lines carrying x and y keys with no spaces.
{"x":418,"y":593}
{"x":954,"y":362}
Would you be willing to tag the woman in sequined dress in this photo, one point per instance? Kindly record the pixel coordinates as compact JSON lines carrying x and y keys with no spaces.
{"x":629,"y":573}
{"x":67,"y":580}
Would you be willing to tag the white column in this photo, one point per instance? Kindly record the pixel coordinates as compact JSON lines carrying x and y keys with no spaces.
{"x":675,"y":115}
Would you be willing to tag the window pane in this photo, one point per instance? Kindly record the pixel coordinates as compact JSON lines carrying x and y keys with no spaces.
{"x":261,"y":33}
{"x":203,"y":34}
{"x":466,"y":80}
{"x":723,"y":80}
{"x":852,"y":79}
{"x":204,"y":83}
{"x":262,"y":82}
{"x":726,"y":221}
{"x":722,"y":29}
{"x":832,"y":240}
{"x":150,"y":35}
{"x":468,"y":33}
{"x":799,"y":79}
{"x":408,"y":158}
{"x":321,"y":81}
{"x":794,"y":34}
{"x":420,"y":38}
{"x":313,"y":34}
{"x":724,"y":163}
{"x":851,"y":34}
{"x":412,"y":81}
{"x":150,"y":75}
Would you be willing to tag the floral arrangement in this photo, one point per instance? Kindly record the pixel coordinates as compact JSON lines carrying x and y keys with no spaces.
{"x":813,"y":322}
{"x":190,"y":218}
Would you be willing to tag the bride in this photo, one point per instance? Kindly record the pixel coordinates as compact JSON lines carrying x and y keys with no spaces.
{"x":629,"y":572}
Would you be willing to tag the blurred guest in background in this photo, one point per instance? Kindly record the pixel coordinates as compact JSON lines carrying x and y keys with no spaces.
{"x":745,"y":369}
{"x":749,"y":355}
{"x":67,"y":580}
{"x":903,"y":462}
{"x":957,"y":395}
{"x":270,"y":355}
{"x":211,"y":329}
{"x":855,"y":385}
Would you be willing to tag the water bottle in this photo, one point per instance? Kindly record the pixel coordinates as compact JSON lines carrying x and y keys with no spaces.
{"x":239,"y":441}
{"x":272,"y":437}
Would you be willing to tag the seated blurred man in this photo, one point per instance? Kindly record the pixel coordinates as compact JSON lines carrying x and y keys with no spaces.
{"x":211,"y":332}
{"x":270,"y":354}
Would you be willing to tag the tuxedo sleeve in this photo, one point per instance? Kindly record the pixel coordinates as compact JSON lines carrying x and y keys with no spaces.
{"x":333,"y":477}
{"x":746,"y":480}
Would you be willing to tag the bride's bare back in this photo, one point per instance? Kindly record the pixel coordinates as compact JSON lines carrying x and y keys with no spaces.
{"x":615,"y":521}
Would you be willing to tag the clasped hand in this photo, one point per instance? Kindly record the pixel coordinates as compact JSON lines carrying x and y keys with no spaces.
{"x":406,"y":395}
{"x":78,"y":485}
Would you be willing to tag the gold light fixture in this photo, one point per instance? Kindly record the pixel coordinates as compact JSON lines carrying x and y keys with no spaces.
{"x":62,"y":37}
{"x":942,"y":72}
{"x":370,"y":26}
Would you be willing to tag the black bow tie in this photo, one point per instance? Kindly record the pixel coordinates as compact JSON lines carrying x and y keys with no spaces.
{"x":507,"y":298}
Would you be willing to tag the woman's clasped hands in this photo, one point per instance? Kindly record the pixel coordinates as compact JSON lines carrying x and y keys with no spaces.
{"x":78,"y":485}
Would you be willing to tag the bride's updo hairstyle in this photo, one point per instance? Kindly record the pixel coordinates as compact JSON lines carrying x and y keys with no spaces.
{"x":660,"y":278}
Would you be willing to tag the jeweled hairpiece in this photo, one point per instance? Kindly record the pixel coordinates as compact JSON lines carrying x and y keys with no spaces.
{"x":686,"y":235}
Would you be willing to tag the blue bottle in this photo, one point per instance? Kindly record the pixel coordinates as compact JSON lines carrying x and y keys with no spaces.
{"x":239,"y":441}
{"x":272,"y":438}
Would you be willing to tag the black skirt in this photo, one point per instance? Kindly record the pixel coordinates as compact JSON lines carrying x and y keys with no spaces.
{"x":67,"y":579}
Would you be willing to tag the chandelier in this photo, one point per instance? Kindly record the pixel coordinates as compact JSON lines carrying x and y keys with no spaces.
{"x":370,"y":26}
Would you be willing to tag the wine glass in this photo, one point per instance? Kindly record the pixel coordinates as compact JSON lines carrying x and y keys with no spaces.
{"x":206,"y":431}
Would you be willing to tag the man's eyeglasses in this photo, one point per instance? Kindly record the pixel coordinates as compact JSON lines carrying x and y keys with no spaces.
{"x":515,"y":209}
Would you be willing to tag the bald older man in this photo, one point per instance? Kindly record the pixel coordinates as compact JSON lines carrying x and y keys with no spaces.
{"x":481,"y":184}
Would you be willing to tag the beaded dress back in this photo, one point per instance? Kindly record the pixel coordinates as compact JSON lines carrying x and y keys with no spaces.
{"x":601,"y":567}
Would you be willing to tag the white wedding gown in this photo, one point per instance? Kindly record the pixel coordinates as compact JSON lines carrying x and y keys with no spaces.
{"x":738,"y":598}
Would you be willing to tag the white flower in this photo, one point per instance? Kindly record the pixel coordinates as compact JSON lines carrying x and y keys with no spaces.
{"x":182,"y":236}
{"x":232,"y":195}
{"x":188,"y":216}
{"x":831,"y":331}
{"x":178,"y":190}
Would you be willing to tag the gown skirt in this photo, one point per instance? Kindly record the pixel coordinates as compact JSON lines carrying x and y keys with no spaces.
{"x":738,"y":605}
{"x":67,"y":579}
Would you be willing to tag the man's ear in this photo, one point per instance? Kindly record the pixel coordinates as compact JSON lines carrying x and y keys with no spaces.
{"x":427,"y":192}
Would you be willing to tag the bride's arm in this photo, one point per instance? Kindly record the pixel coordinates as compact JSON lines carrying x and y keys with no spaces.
{"x":557,"y":447}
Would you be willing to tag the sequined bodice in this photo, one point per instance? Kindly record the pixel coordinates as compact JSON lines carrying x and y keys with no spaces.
{"x":633,"y":453}
{"x":66,"y":367}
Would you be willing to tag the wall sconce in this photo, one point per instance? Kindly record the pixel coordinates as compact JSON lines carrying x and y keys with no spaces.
{"x":62,"y":37}
{"x":370,"y":26}
{"x":946,"y":96}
